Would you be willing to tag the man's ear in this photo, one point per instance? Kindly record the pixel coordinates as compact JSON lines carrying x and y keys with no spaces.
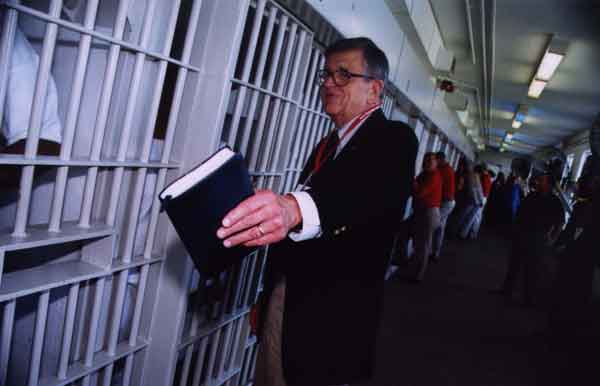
{"x":376,"y":90}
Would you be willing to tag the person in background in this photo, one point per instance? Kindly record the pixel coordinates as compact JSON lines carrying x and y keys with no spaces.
{"x":474,"y":203}
{"x":428,"y":199}
{"x":493,"y":207}
{"x":510,"y":200}
{"x":538,"y":224}
{"x":447,"y":205}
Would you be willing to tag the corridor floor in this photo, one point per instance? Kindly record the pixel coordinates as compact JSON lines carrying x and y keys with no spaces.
{"x":450,"y":330}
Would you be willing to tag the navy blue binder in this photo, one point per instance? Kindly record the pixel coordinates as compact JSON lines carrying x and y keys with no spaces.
{"x":197,"y":202}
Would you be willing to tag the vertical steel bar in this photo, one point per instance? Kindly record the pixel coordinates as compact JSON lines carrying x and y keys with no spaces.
{"x":140,"y":177}
{"x":38,"y":338}
{"x":249,"y":281}
{"x":232,"y":352}
{"x":283,"y":22}
{"x":224,"y":348}
{"x":135,"y":322}
{"x":102,"y":116}
{"x":83,"y":301}
{"x":185,"y":371}
{"x":214,"y":345}
{"x":8,"y":319}
{"x":93,"y":329}
{"x":199,"y":362}
{"x":68,"y":331}
{"x":72,"y":116}
{"x":171,"y":124}
{"x":35,"y":119}
{"x":258,"y":16}
{"x":276,"y":107}
{"x":113,"y":333}
{"x":135,"y":85}
{"x":264,"y":50}
{"x":9,"y":28}
{"x":283,"y":124}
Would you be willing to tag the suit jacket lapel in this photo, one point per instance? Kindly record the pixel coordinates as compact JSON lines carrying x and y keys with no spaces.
{"x":362,"y":135}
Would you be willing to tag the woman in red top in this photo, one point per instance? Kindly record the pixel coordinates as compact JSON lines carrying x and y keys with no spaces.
{"x":427,"y":200}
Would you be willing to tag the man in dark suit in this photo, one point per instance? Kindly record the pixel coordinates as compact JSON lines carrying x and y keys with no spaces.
{"x":324,"y":281}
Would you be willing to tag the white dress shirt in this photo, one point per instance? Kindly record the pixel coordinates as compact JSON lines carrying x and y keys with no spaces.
{"x":311,"y":222}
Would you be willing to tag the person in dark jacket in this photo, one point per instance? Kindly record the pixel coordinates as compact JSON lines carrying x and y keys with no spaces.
{"x":331,"y":239}
{"x":539,"y":221}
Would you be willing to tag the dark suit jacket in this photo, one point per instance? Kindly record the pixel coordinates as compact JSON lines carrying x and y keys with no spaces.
{"x":334,"y":284}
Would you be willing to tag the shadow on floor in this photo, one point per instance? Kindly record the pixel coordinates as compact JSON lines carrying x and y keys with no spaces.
{"x":450,"y":330}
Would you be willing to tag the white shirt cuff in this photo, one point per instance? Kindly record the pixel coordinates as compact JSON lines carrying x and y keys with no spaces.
{"x":311,"y":223}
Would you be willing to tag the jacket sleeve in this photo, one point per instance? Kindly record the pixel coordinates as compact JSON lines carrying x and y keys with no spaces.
{"x":378,"y":194}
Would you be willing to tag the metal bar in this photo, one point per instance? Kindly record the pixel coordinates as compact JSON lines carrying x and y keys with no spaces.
{"x":72,"y":116}
{"x":232,"y":353}
{"x":224,"y":348}
{"x":140,"y":177}
{"x":171,"y":124}
{"x":241,"y":278}
{"x":9,"y":29}
{"x":135,"y":323}
{"x":266,"y":99}
{"x":214,"y":345}
{"x":10,"y":159}
{"x":276,"y":107}
{"x":38,"y":338}
{"x":117,"y":312}
{"x":8,"y":319}
{"x":283,"y":124}
{"x":35,"y":120}
{"x":237,"y":113}
{"x":264,"y":50}
{"x":102,"y":116}
{"x":134,"y":89}
{"x":68,"y":331}
{"x":249,"y":281}
{"x":199,"y":362}
{"x":113,"y":40}
{"x":94,"y":321}
{"x":83,"y":300}
{"x":190,"y":349}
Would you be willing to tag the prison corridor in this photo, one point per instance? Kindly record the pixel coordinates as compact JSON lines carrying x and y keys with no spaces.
{"x":451,"y":329}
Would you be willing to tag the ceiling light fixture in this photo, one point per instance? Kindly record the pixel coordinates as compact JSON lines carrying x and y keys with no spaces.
{"x":519,"y":118}
{"x":555,"y":53}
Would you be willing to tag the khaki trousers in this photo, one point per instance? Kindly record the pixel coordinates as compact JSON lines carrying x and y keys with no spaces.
{"x":269,"y":370}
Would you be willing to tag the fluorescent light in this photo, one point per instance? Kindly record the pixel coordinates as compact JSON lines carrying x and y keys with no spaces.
{"x":536,"y":88}
{"x":550,"y":62}
{"x":516,"y":124}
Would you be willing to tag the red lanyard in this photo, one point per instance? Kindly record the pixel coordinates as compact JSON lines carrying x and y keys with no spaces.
{"x":321,"y":157}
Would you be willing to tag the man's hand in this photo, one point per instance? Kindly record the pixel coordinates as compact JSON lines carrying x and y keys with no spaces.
{"x":262,"y":219}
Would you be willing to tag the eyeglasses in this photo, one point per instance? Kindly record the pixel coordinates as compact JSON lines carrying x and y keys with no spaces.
{"x":340,"y":77}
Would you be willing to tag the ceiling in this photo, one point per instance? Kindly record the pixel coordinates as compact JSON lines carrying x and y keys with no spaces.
{"x":500,"y":57}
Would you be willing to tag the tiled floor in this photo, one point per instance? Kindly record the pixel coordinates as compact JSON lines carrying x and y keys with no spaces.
{"x":450,"y":330}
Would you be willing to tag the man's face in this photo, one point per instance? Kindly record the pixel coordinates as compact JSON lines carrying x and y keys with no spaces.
{"x":344,"y":102}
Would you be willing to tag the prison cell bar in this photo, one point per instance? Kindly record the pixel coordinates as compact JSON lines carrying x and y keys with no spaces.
{"x":132,"y":99}
{"x":295,"y":81}
{"x":276,"y":106}
{"x":68,"y":330}
{"x":93,"y":327}
{"x":72,"y":116}
{"x":140,"y":178}
{"x":8,"y":318}
{"x":301,"y":132}
{"x":9,"y":28}
{"x":200,"y":362}
{"x":102,"y":115}
{"x":35,"y":120}
{"x":283,"y":23}
{"x":264,"y":50}
{"x":38,"y":338}
{"x":171,"y":124}
{"x":250,"y":52}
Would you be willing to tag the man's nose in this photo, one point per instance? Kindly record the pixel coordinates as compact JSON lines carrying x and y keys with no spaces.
{"x":329,"y":81}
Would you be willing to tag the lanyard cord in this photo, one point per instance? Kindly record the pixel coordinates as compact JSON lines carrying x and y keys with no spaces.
{"x":321,"y":157}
